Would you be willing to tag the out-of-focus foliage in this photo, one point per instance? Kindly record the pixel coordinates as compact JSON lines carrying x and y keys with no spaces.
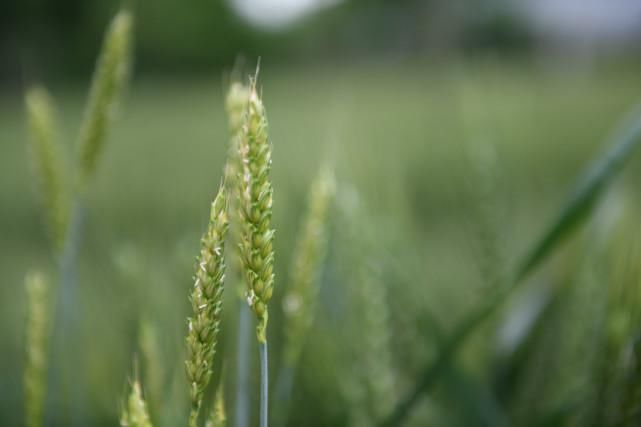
{"x":400,"y":137}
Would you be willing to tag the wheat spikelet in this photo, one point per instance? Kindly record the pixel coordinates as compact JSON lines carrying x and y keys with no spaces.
{"x":206,"y":301}
{"x":309,"y":253}
{"x":109,"y":79}
{"x":255,"y":210}
{"x":48,"y":163}
{"x":134,"y":413}
{"x":36,"y":343}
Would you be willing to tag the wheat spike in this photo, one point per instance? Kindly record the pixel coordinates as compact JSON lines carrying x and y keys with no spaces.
{"x":109,"y":79}
{"x":255,"y":210}
{"x":36,"y":344}
{"x":309,"y":253}
{"x":48,"y":163}
{"x":206,"y":301}
{"x":134,"y":413}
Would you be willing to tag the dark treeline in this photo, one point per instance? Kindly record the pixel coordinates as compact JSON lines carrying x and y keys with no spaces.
{"x":59,"y":37}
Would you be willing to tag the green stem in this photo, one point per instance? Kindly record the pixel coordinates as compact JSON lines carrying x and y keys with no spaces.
{"x":242,"y":355}
{"x":264,"y":385}
{"x":64,"y":338}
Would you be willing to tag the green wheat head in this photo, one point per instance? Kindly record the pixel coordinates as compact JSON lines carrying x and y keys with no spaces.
{"x":134,"y":413}
{"x":206,"y":300}
{"x":236,"y":106}
{"x":255,"y":210}
{"x":36,"y":344}
{"x":48,"y":163}
{"x":309,"y":254}
{"x":110,"y":77}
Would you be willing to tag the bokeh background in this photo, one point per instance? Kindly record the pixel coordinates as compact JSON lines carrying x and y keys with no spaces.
{"x":455,"y":130}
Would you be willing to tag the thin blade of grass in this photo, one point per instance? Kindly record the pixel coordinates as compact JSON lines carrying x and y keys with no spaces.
{"x":592,"y":184}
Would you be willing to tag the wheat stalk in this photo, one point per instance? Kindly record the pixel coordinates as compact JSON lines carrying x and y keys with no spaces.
{"x":108,"y":80}
{"x":255,"y":211}
{"x":134,"y":413}
{"x":206,"y":301}
{"x":236,"y":106}
{"x":36,"y":344}
{"x":48,"y":163}
{"x":110,"y":77}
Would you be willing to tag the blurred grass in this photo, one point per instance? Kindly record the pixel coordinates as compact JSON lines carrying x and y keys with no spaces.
{"x":398,"y":134}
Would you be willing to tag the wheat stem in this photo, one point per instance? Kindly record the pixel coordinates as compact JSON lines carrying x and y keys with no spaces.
{"x":264,"y":385}
{"x":255,"y":213}
{"x":243,"y":349}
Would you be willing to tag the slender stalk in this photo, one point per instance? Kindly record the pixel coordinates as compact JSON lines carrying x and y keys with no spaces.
{"x":264,"y":384}
{"x":64,"y":335}
{"x":242,"y":387}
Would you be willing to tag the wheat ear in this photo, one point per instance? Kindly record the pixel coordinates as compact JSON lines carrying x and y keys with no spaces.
{"x":236,"y":107}
{"x":206,"y":300}
{"x":48,"y":163}
{"x":255,"y":208}
{"x":309,"y":254}
{"x":134,"y":412}
{"x":110,"y":77}
{"x":36,"y":344}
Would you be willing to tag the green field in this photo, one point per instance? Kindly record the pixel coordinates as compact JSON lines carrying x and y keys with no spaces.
{"x":434,"y":157}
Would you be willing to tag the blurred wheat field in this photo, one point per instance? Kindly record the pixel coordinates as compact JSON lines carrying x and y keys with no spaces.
{"x":410,"y":143}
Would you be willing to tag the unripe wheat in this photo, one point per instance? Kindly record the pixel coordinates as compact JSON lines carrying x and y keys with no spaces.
{"x":36,"y":343}
{"x":111,"y":74}
{"x":206,"y":301}
{"x":255,"y":208}
{"x":134,"y":413}
{"x":309,"y":253}
{"x":48,"y":163}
